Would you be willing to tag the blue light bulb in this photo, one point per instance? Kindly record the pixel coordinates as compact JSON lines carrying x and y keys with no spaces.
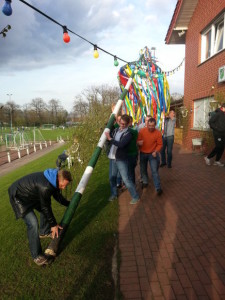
{"x":7,"y":9}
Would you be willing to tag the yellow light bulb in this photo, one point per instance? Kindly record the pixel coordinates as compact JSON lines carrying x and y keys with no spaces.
{"x":96,"y":54}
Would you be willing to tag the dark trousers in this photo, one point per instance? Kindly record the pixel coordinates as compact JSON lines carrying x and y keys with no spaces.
{"x":219,"y":146}
{"x":167,"y":144}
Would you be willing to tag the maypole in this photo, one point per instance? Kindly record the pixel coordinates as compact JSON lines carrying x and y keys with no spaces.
{"x":53,"y":247}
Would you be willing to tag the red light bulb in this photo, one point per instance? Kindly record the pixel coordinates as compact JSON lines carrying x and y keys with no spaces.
{"x":66,"y":37}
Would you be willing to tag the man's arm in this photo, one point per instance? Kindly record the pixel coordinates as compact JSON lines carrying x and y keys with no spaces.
{"x":59,"y":198}
{"x":159,"y":142}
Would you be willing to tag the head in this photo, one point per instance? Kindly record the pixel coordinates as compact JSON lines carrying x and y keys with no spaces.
{"x":147,"y":119}
{"x":223,"y":107}
{"x":124,"y":121}
{"x":64,"y":178}
{"x":171,"y":114}
{"x":118,"y":118}
{"x":151,"y":124}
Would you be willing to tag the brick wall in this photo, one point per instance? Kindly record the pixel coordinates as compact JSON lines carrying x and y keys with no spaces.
{"x":200,"y":77}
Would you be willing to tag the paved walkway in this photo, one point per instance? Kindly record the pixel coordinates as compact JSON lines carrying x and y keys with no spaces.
{"x":173,"y":246}
{"x":8,"y":167}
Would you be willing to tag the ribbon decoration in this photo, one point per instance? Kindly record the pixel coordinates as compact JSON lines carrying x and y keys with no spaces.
{"x":149,"y":93}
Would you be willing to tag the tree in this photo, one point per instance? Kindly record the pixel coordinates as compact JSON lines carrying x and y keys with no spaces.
{"x":90,"y":98}
{"x":12,"y":109}
{"x":39,"y":107}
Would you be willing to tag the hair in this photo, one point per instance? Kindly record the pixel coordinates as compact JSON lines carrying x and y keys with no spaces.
{"x":64,"y":174}
{"x":148,"y":116}
{"x":125,"y":118}
{"x":152,"y":120}
{"x":131,"y":119}
{"x":223,"y":105}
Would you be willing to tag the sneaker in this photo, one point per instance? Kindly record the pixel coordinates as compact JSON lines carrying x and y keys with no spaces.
{"x":207,"y":161}
{"x":162,"y":165}
{"x":112,"y":198}
{"x":169,"y":166}
{"x":218,"y":163}
{"x":41,"y":260}
{"x":44,"y":236}
{"x":134,"y":201}
{"x":159,"y":192}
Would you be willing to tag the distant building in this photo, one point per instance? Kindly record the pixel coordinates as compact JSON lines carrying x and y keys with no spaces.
{"x":199,"y":24}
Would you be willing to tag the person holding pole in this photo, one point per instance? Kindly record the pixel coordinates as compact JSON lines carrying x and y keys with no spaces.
{"x":119,"y":140}
{"x":34,"y":191}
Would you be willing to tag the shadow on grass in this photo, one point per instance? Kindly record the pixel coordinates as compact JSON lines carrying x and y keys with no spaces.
{"x":92,"y":205}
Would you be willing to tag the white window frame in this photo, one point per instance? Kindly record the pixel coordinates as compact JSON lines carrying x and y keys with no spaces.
{"x":202,"y":108}
{"x":215,"y":37}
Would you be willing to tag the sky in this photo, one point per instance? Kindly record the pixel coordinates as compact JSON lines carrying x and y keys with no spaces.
{"x":36,"y":63}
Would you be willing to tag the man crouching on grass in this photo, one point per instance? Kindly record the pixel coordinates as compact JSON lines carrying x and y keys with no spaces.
{"x":34,"y":191}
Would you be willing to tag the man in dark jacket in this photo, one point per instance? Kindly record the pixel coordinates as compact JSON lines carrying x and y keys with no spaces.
{"x":119,"y":141}
{"x":217,"y":123}
{"x":34,"y":191}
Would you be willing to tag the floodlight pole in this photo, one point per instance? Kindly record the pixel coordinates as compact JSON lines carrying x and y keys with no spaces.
{"x":10,"y":111}
{"x":69,"y":213}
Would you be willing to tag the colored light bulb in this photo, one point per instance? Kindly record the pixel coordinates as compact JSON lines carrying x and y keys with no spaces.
{"x":96,"y":54}
{"x":116,"y":63}
{"x":66,"y":36}
{"x":7,"y":9}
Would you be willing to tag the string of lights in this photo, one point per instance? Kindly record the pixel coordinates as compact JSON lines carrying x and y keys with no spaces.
{"x":171,"y":72}
{"x":7,"y":10}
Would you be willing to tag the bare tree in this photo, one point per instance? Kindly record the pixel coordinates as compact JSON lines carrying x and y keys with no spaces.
{"x":39,"y":107}
{"x":80,"y":107}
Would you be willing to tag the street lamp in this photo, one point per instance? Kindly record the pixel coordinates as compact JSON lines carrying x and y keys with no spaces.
{"x":10,"y":111}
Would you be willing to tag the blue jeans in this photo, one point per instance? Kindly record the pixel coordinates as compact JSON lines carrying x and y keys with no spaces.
{"x":132,"y":162}
{"x":167,"y":143}
{"x":118,"y":179}
{"x":31,"y":221}
{"x":122,"y":167}
{"x":154,"y":165}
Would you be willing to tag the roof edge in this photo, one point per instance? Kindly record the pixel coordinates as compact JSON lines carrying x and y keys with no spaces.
{"x":173,"y":21}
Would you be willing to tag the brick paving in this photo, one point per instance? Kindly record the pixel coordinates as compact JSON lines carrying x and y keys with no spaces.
{"x":173,"y":246}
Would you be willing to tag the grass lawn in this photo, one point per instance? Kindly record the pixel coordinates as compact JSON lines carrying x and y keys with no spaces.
{"x":83,"y":268}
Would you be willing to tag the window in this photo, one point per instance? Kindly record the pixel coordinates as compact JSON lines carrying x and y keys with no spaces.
{"x":213,"y":39}
{"x":201,"y":113}
{"x":219,"y":37}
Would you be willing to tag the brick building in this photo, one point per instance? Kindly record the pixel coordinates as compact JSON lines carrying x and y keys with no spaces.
{"x":199,"y":24}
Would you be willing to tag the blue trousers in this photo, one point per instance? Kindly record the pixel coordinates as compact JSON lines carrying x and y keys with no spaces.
{"x":122,"y":167}
{"x":132,"y":163}
{"x":154,"y":166}
{"x":31,"y":221}
{"x":167,"y":144}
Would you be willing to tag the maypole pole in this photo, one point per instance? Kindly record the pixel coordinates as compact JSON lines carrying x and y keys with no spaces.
{"x":53,"y":247}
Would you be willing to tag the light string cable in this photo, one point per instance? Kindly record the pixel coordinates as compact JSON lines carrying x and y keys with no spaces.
{"x":81,"y":37}
{"x":175,"y":69}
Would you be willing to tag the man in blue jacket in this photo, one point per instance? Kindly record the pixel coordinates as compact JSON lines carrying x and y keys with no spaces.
{"x":34,"y":191}
{"x":119,"y":141}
